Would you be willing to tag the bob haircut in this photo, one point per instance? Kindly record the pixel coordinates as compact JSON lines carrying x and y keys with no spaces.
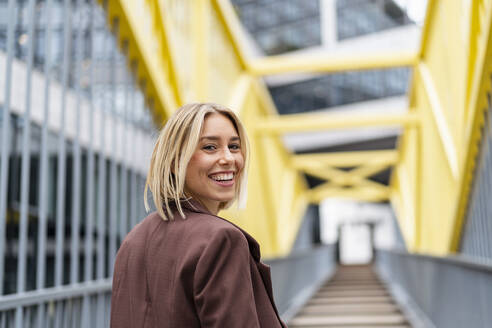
{"x":175,"y":145}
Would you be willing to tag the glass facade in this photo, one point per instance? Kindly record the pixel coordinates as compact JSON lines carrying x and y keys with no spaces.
{"x":361,"y":17}
{"x":280,"y":26}
{"x":339,"y":89}
{"x":89,"y":48}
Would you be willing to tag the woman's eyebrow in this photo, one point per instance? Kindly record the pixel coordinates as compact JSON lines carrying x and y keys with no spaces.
{"x":234,"y":138}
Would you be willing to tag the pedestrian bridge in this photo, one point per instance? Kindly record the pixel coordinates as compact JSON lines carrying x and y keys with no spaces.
{"x":84,"y":85}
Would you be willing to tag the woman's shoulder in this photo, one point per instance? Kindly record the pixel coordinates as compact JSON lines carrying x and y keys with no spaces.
{"x":141,"y":231}
{"x":210,"y":225}
{"x":197,"y":224}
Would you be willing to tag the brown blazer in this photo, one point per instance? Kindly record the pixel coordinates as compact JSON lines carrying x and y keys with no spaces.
{"x":202,"y":271}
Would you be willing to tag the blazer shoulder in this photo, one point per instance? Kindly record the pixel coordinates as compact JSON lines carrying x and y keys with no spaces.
{"x":144,"y":229}
{"x":210,"y":225}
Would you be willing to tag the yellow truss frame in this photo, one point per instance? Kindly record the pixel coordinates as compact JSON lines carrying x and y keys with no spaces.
{"x":174,"y":60}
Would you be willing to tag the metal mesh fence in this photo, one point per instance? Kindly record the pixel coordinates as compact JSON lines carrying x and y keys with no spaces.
{"x":476,"y":239}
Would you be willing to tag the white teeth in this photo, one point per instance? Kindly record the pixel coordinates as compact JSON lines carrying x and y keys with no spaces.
{"x":222,"y":176}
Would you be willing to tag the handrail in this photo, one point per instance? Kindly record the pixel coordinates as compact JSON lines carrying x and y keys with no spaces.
{"x":34,"y":297}
{"x":457,"y":260}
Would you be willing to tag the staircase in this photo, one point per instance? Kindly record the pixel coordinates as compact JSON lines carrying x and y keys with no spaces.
{"x":354,"y":297}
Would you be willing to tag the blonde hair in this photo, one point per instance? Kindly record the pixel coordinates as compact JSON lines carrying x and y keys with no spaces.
{"x":173,"y":150}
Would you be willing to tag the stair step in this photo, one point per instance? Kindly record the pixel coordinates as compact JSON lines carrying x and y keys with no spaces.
{"x":353,"y":287}
{"x":344,"y":293}
{"x":354,"y":282}
{"x":330,"y":320}
{"x":353,"y":298}
{"x":349,"y":308}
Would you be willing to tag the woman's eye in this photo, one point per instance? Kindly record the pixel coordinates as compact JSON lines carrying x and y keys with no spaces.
{"x":209,"y":147}
{"x":235,"y":146}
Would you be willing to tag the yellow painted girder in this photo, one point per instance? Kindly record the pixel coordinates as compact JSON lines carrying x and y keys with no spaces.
{"x":146,"y":50}
{"x":239,"y":93}
{"x":345,"y":178}
{"x":480,"y":89}
{"x":347,"y":184}
{"x":232,"y":25}
{"x":201,"y":41}
{"x":367,"y":194}
{"x":168,"y":49}
{"x":324,"y":63}
{"x":325,"y":121}
{"x":345,"y":159}
{"x":431,"y":185}
{"x":438,"y":113}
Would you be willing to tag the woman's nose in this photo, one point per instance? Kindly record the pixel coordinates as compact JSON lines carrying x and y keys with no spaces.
{"x":226,"y":156}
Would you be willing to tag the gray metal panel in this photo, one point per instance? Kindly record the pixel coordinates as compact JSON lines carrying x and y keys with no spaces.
{"x":61,"y":177}
{"x":101,"y":201}
{"x":25,"y":170}
{"x":133,"y":175}
{"x":296,"y":277}
{"x":43,"y":188}
{"x":90,"y":194}
{"x":113,"y":173}
{"x":26,"y":161}
{"x":475,"y":240}
{"x":6,"y":136}
{"x":123,"y":229}
{"x":450,"y":292}
{"x":76,"y":183}
{"x":308,"y":234}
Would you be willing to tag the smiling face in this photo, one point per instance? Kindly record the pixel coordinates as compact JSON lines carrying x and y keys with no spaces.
{"x":215,"y":168}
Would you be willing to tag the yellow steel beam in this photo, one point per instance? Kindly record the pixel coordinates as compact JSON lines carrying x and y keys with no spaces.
{"x":367,"y":170}
{"x":361,"y":193}
{"x":345,"y":159}
{"x":344,"y":178}
{"x":264,"y":95}
{"x":472,"y":45}
{"x":426,"y":28}
{"x":480,"y":89}
{"x":168,"y":49}
{"x":200,"y":25}
{"x":326,"y":121}
{"x":233,"y":27}
{"x":335,"y":176}
{"x":238,"y":96}
{"x":439,"y":118}
{"x":143,"y":40}
{"x":330,"y":63}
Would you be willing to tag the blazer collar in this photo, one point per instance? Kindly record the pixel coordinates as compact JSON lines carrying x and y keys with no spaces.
{"x":195,"y":206}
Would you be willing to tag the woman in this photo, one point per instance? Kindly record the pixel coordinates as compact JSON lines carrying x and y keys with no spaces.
{"x":184,"y":266}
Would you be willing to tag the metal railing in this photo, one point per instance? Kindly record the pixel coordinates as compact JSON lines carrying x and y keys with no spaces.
{"x":443,"y":291}
{"x":75,"y":141}
{"x":477,"y":230}
{"x":298,"y":276}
